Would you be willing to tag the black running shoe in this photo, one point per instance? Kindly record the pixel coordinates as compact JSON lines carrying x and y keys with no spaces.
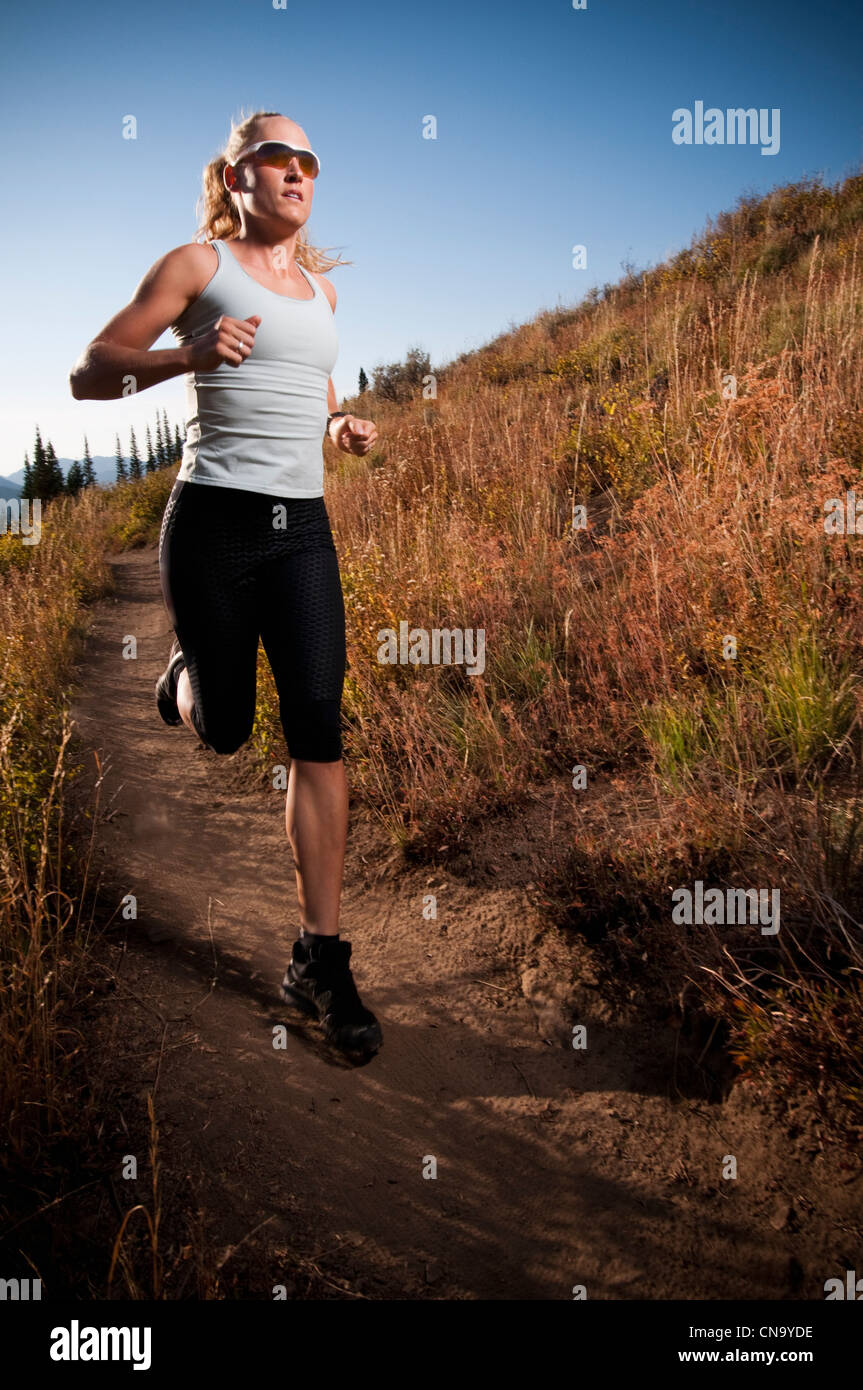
{"x":166,"y":686}
{"x":319,"y":980}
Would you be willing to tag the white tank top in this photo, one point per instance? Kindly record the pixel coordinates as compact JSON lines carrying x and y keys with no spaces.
{"x":259,"y":426}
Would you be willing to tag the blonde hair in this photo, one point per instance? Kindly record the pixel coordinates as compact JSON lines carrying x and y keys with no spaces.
{"x":220,"y":218}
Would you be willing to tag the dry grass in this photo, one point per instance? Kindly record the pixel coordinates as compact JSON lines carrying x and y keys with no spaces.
{"x":44,"y":921}
{"x":134,"y":509}
{"x":711,"y":526}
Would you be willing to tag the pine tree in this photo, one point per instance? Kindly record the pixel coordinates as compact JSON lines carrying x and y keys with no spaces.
{"x":121,"y":465}
{"x":166,"y":435}
{"x":74,"y":478}
{"x":364,"y":381}
{"x":87,"y":468}
{"x":53,"y":473}
{"x":134,"y":460}
{"x":160,"y":447}
{"x":151,"y":460}
{"x":178,"y":443}
{"x":27,"y":485}
{"x":38,"y":476}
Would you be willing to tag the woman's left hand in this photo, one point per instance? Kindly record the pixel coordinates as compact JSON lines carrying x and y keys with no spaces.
{"x":353,"y":435}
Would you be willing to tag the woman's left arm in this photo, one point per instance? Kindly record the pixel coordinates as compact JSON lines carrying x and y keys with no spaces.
{"x":349,"y":433}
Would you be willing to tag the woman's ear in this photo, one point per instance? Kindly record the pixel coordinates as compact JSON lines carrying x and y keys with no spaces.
{"x":229,"y":177}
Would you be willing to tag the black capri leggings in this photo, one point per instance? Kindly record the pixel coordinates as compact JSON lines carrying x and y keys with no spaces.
{"x":236,"y":566}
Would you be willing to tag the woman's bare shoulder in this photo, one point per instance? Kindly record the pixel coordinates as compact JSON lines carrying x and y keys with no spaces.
{"x":328,"y":289}
{"x":195,"y":262}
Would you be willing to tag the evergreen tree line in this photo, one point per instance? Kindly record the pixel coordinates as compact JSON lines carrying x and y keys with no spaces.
{"x":43,"y":477}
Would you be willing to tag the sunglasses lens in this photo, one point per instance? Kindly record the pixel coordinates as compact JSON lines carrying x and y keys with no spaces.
{"x":280,"y":157}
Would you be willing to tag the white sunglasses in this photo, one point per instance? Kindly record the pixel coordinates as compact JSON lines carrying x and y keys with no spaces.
{"x":280,"y":154}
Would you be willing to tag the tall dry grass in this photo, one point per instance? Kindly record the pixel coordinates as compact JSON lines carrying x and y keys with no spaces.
{"x":704,"y":519}
{"x":44,"y":915}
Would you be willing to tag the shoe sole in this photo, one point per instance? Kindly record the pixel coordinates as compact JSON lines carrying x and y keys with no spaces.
{"x":165,"y":703}
{"x":299,"y":1001}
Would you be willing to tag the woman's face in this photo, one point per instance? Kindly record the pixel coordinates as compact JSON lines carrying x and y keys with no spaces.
{"x":269,"y":192}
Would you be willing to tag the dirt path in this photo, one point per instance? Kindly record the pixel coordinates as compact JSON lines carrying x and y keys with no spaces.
{"x":555,"y":1167}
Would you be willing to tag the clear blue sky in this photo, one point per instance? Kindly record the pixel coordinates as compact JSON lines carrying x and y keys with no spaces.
{"x":554,"y":128}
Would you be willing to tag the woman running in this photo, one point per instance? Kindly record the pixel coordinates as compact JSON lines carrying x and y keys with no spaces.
{"x":246,"y":550}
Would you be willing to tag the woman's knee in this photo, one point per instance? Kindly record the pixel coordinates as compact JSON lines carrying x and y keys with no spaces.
{"x":226,"y":723}
{"x":226,"y":744}
{"x":221,"y":736}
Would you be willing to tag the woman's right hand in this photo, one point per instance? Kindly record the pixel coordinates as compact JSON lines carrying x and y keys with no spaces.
{"x":229,"y":340}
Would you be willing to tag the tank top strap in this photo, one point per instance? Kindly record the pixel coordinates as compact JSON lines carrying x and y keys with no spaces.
{"x":312,"y":281}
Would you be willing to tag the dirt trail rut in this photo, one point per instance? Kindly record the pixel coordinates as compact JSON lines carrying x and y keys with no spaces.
{"x":555,"y":1167}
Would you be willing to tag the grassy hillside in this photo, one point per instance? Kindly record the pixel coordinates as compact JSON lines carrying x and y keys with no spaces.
{"x":703,"y":517}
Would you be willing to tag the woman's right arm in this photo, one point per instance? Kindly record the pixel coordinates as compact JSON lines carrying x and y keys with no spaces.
{"x":117,"y":362}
